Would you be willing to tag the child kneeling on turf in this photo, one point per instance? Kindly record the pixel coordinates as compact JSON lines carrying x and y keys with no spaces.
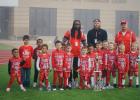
{"x":14,"y":69}
{"x":43,"y":65}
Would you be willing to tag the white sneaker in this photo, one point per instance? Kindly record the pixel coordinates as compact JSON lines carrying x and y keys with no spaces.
{"x":40,"y":89}
{"x":54,"y":89}
{"x":76,"y":84}
{"x":43,"y":84}
{"x":7,"y":89}
{"x":61,"y":89}
{"x":34,"y":84}
{"x":22,"y":88}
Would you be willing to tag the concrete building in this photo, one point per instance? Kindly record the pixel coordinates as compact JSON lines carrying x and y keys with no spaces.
{"x":53,"y":17}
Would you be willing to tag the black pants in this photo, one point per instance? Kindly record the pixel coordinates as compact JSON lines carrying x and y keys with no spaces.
{"x":35,"y":72}
{"x":75,"y":66}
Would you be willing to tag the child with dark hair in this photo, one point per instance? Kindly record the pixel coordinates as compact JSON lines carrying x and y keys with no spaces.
{"x":26,"y":52}
{"x":58,"y":58}
{"x":68,"y":66}
{"x":37,"y":51}
{"x":14,"y":69}
{"x":43,"y":66}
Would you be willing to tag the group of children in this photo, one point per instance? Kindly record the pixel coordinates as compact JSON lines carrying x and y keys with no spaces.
{"x":94,"y":64}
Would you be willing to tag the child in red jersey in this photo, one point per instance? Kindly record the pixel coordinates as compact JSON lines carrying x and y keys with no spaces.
{"x":98,"y":63}
{"x":84,"y":69}
{"x":14,"y":69}
{"x":105,"y":60}
{"x":68,"y":65}
{"x":111,"y":64}
{"x":100,"y":54}
{"x":37,"y":51}
{"x":122,"y":65}
{"x":26,"y":52}
{"x":43,"y":66}
{"x":92,"y":61}
{"x":133,"y":65}
{"x":58,"y":59}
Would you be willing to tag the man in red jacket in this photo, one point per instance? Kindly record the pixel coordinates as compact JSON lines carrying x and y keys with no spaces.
{"x":26,"y":52}
{"x":125,"y":36}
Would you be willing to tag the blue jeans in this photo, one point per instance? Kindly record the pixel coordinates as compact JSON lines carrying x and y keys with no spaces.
{"x":25,"y":76}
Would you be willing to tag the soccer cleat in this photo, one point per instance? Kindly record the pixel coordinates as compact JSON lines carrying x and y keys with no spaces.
{"x":87,"y":87}
{"x":115,"y":85}
{"x":34,"y":84}
{"x":123,"y":86}
{"x":137,"y":86}
{"x":61,"y":89}
{"x":7,"y":89}
{"x":23,"y":89}
{"x":76,"y":84}
{"x":54,"y":89}
{"x":43,"y":84}
{"x":40,"y":89}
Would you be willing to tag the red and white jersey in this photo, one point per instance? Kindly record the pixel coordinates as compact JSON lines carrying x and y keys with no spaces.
{"x":26,"y":52}
{"x":15,"y":64}
{"x":112,"y":60}
{"x":92,"y":61}
{"x":99,"y":59}
{"x":68,"y":62}
{"x":84,"y":64}
{"x":58,"y":59}
{"x":122,"y":63}
{"x":44,"y":62}
{"x":105,"y":57}
{"x":133,"y":61}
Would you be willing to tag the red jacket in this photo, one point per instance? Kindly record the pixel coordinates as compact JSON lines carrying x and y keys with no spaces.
{"x":84,"y":65}
{"x":26,"y":52}
{"x":75,"y":43}
{"x":44,"y":63}
{"x":112,"y":60}
{"x":134,"y":66}
{"x":122,"y":63}
{"x":68,"y":62}
{"x":126,"y":39}
{"x":58,"y":59}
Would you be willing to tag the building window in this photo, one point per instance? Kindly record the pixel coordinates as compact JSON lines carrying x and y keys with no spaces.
{"x":131,"y":16}
{"x":43,"y":21}
{"x":86,"y":16}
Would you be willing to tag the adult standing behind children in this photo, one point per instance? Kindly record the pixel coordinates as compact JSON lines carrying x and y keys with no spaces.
{"x":125,"y":36}
{"x":75,"y":37}
{"x":96,"y":34}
